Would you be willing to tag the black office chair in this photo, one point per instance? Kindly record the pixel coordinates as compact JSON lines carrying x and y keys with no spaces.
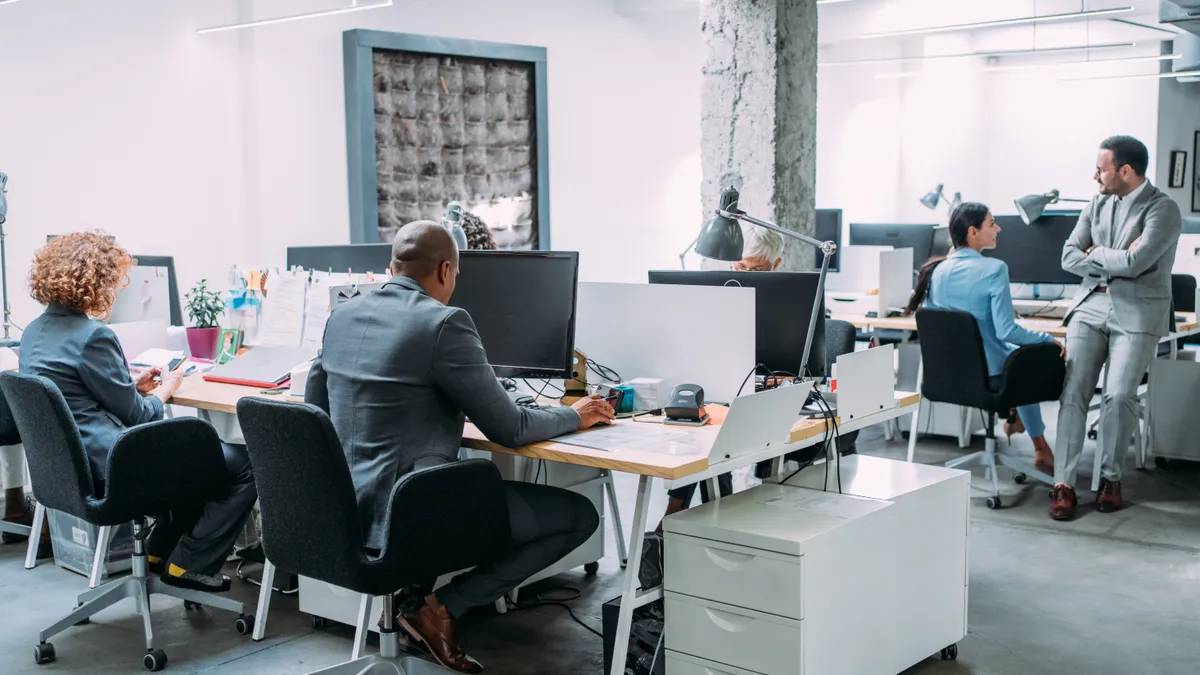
{"x":1183,"y":297}
{"x":955,"y":371}
{"x":11,"y":532}
{"x":439,"y":520}
{"x":153,"y":469}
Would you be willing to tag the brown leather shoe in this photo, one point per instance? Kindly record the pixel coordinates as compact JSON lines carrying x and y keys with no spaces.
{"x":1109,"y":497}
{"x":1063,"y":502}
{"x":435,"y":628}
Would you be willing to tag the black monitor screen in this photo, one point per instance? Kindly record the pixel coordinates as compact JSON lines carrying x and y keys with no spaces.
{"x":941,"y":243}
{"x":917,"y":237}
{"x":1034,"y":252}
{"x":523,"y":303}
{"x":152,"y":293}
{"x":829,"y":228}
{"x":783,"y":307}
{"x":342,"y":258}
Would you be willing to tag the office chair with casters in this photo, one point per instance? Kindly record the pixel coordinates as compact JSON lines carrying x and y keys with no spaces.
{"x":439,"y":520}
{"x":9,"y":436}
{"x":153,"y":469}
{"x":955,"y":371}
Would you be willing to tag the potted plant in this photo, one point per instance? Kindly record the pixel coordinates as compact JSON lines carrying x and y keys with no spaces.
{"x":205,"y":306}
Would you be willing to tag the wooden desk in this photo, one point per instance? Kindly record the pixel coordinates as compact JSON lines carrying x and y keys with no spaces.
{"x":676,"y":470}
{"x":1054,"y":327}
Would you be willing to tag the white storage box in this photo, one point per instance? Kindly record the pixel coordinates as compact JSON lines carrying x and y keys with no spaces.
{"x":74,"y":542}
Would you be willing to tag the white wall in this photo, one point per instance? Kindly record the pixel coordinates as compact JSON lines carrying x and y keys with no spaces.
{"x":227,"y":148}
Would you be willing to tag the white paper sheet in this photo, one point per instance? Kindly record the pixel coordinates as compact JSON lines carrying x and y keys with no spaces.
{"x":811,"y":501}
{"x":282,"y":320}
{"x":645,"y":438}
{"x":316,"y":310}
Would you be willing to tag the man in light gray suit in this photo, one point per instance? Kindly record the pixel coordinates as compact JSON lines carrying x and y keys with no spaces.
{"x":397,"y":371}
{"x":1123,"y":247}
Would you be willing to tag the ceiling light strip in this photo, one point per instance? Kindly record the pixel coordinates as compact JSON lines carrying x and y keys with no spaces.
{"x":998,"y":54}
{"x":1155,"y":76}
{"x":1044,"y":18}
{"x":295,"y":17}
{"x":1030,"y":66}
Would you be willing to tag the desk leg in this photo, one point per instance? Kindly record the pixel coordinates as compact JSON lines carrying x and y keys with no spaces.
{"x":629,"y":586}
{"x":610,"y":489}
{"x":916,"y":416}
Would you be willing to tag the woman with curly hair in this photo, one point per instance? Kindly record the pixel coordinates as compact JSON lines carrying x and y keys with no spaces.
{"x":77,"y":277}
{"x":479,"y":237}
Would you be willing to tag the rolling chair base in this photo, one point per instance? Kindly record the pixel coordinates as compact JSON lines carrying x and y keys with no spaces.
{"x":990,"y":458}
{"x":139,"y":586}
{"x":389,"y":660}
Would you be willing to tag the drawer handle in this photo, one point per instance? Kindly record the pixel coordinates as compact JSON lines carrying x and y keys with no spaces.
{"x":732,"y":624}
{"x":710,"y":671}
{"x":728,"y":560}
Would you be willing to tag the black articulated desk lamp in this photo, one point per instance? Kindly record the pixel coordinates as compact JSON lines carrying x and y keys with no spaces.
{"x":721,"y":239}
{"x":1031,"y":207}
{"x":937,"y":195}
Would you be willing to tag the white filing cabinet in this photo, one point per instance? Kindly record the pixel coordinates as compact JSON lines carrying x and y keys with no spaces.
{"x":779,"y":580}
{"x":928,"y":568}
{"x":338,"y":604}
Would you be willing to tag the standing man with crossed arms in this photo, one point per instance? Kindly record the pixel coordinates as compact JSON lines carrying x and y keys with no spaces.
{"x":1124,"y":248}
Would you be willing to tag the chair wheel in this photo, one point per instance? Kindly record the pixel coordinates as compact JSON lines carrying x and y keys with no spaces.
{"x":188,"y":604}
{"x":43,"y":653}
{"x":155,"y":660}
{"x":1020,"y":479}
{"x":950,"y":653}
{"x":320,"y":623}
{"x":591,"y":568}
{"x":993,"y":503}
{"x":244,"y":624}
{"x":1092,"y":434}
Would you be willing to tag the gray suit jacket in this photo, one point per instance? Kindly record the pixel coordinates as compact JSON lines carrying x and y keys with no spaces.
{"x":83,"y":358}
{"x":396,"y":373}
{"x":1139,"y":282}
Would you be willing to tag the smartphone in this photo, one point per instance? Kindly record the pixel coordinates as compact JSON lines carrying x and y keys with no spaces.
{"x":175,"y":363}
{"x":610,"y":395}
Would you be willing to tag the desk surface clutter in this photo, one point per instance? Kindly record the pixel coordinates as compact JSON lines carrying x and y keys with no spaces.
{"x":1054,"y":327}
{"x":223,"y":398}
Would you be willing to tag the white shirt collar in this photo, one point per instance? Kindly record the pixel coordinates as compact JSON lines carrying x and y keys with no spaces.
{"x":1132,"y":196}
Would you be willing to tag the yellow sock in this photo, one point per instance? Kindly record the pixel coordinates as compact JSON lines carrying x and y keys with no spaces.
{"x":154,"y":558}
{"x":175,"y":570}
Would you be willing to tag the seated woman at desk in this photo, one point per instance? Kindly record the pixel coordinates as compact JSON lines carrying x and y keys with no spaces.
{"x":966,"y":280}
{"x":77,"y":277}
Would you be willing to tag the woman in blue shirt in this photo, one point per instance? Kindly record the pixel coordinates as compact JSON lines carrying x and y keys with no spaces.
{"x":966,"y":280}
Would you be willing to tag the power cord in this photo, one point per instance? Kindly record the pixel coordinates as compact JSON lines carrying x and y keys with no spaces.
{"x":603,"y":371}
{"x":540,"y":601}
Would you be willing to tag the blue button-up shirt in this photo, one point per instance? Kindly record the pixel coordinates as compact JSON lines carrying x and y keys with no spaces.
{"x":970,"y":282}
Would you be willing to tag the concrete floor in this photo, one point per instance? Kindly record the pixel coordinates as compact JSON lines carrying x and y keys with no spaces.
{"x":1105,"y":595}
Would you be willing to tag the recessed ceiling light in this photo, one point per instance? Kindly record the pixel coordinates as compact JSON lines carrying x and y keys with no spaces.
{"x":355,"y":7}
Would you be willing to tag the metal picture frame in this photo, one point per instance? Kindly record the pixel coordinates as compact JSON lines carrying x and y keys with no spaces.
{"x":1177,"y":177}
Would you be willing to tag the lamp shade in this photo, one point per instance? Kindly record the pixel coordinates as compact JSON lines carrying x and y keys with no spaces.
{"x":453,"y":222}
{"x":721,"y":238}
{"x":1031,"y":207}
{"x":931,"y":199}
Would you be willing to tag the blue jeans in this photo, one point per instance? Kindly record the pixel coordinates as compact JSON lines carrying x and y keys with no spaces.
{"x":1031,"y":415}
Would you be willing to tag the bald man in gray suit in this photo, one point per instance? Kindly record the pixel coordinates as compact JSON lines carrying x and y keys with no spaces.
{"x":1123,"y":247}
{"x":398,"y":372}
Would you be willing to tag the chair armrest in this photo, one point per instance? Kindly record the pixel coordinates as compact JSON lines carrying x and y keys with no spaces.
{"x":1032,"y":374}
{"x":444,"y":519}
{"x":156,"y":467}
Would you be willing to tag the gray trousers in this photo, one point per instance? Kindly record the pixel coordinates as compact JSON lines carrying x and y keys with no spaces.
{"x":200,"y":538}
{"x":1094,"y":336}
{"x":546,"y":523}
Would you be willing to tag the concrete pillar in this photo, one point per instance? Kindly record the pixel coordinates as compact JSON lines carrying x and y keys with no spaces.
{"x":759,"y":112}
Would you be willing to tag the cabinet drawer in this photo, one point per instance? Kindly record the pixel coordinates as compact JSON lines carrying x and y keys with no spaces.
{"x":745,"y":639}
{"x":683,"y":664}
{"x":744,"y":577}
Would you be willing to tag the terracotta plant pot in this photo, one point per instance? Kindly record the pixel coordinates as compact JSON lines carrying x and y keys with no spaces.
{"x":203,"y":342}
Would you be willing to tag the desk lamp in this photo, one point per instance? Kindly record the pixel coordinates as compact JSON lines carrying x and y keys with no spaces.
{"x":7,"y":341}
{"x":721,"y":239}
{"x":935,"y":196}
{"x":452,"y":221}
{"x":1031,"y":207}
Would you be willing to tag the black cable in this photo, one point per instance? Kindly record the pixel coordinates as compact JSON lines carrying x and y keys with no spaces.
{"x":603,"y":371}
{"x":539,"y":601}
{"x":749,"y":375}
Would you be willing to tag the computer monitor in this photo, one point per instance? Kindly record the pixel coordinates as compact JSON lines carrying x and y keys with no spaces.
{"x":523,"y":304}
{"x":829,"y":228}
{"x":1034,"y":252}
{"x":783,"y":306}
{"x":917,"y":237}
{"x":152,"y":293}
{"x":342,"y":258}
{"x":941,"y":243}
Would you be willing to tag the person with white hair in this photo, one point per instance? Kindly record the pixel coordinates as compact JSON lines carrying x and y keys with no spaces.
{"x":762,"y":252}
